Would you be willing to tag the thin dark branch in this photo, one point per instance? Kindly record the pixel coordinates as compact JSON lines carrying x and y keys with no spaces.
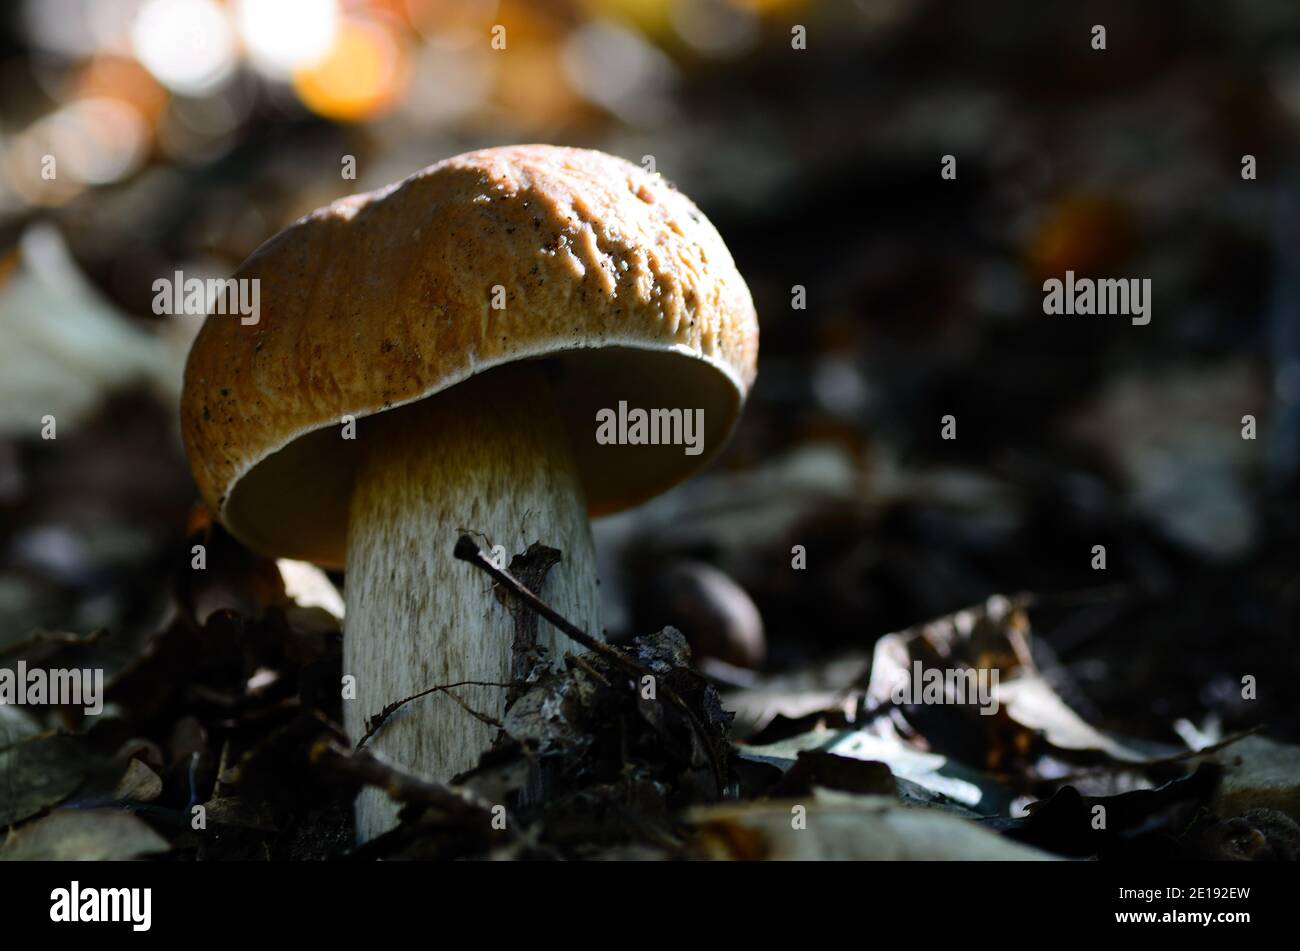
{"x":467,"y":550}
{"x":531,"y":568}
{"x":374,"y":723}
{"x":480,"y":717}
{"x":366,"y":769}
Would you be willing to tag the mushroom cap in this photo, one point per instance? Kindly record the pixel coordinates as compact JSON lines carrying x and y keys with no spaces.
{"x":611,"y":277}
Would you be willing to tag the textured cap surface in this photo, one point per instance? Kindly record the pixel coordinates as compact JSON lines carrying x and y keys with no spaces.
{"x":384,"y":299}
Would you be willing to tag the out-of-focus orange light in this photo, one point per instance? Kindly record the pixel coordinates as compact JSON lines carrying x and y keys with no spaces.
{"x":1082,"y":232}
{"x":437,"y":17}
{"x":530,"y":85}
{"x":532,"y":88}
{"x":87,"y":142}
{"x":116,"y":77}
{"x":769,"y":7}
{"x":361,"y":76}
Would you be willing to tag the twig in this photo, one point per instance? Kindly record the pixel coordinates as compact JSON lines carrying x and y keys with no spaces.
{"x":585,"y":665}
{"x":481,"y":717}
{"x":367,"y":769}
{"x":374,"y":723}
{"x":467,"y":550}
{"x":531,"y":568}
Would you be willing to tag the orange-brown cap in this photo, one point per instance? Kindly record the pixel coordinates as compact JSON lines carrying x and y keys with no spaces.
{"x":386,"y":298}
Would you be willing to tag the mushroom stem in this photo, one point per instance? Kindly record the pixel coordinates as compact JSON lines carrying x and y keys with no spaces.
{"x":489,"y":456}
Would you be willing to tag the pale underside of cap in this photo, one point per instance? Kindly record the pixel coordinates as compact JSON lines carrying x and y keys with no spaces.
{"x":608,"y":274}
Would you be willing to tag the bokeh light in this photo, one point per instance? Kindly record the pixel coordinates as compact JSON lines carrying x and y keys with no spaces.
{"x":88,"y":142}
{"x":79,"y":27}
{"x":189,"y":45}
{"x":451,"y":77}
{"x":101,"y":140}
{"x":615,"y":67}
{"x":117,"y":77}
{"x":715,"y":27}
{"x":434,"y":18}
{"x":361,"y":76}
{"x":284,"y":35}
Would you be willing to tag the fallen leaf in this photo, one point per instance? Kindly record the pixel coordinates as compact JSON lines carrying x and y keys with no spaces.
{"x":38,"y":772}
{"x":825,"y":688}
{"x":862,"y":828}
{"x":138,"y":784}
{"x":932,"y":771}
{"x":991,"y":639}
{"x":105,"y":835}
{"x":1141,"y":823}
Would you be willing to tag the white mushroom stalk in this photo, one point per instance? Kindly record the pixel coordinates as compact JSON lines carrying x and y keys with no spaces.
{"x":489,"y":457}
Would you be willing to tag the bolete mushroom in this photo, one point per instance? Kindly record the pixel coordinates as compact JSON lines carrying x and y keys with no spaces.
{"x":437,"y":357}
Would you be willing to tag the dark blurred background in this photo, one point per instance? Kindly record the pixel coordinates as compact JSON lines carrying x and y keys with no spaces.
{"x":186,"y":132}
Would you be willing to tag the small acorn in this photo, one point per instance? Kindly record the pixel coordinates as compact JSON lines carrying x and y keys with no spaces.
{"x":718,"y":618}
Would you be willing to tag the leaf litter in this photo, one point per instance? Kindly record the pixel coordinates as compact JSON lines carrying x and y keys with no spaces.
{"x":622,"y":751}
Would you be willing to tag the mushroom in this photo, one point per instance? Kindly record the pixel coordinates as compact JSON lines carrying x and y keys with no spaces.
{"x":479,"y":348}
